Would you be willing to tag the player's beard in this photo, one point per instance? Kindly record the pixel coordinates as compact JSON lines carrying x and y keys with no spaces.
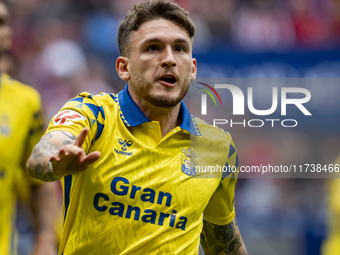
{"x":142,"y":90}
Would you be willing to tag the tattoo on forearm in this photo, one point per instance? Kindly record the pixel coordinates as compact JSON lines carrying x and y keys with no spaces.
{"x":41,"y":148}
{"x":224,"y":233}
{"x":46,"y":137}
{"x":43,"y":151}
{"x":69,"y":135}
{"x":225,"y":239}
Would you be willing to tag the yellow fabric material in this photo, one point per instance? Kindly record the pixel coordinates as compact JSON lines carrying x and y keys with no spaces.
{"x":331,"y":245}
{"x":137,"y":199}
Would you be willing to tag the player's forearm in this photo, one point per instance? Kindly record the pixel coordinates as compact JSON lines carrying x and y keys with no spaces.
{"x":44,"y":203}
{"x":38,"y":164}
{"x":224,"y":239}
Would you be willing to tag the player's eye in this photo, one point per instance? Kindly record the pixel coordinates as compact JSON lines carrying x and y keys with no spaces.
{"x":153,"y":48}
{"x":180,"y":49}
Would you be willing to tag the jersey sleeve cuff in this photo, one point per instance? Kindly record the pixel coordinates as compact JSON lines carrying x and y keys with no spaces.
{"x":220,"y":221}
{"x":64,"y":128}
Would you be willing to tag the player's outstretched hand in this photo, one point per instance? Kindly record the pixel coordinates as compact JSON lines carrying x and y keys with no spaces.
{"x":71,"y":158}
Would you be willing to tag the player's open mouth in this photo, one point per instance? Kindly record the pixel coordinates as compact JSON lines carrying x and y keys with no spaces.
{"x":168,"y":80}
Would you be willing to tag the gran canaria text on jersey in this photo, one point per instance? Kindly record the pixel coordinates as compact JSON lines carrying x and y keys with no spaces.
{"x":120,"y":187}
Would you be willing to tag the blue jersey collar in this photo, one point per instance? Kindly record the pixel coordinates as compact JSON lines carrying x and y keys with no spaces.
{"x":133,"y":116}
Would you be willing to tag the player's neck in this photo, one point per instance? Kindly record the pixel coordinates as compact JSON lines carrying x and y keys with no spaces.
{"x":168,"y":118}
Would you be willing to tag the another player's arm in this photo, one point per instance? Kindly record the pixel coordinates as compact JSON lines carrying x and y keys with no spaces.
{"x":222,"y":239}
{"x":65,"y":153}
{"x":44,"y":206}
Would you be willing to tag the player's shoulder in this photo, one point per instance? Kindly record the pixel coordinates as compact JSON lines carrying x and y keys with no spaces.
{"x":19,"y":89}
{"x":97,"y":105}
{"x":85,"y":98}
{"x":211,"y":132}
{"x":98,"y":99}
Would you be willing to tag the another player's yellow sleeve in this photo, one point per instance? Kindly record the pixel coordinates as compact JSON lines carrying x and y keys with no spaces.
{"x":78,"y":113}
{"x":36,"y":130}
{"x":332,"y":243}
{"x":37,"y":121}
{"x":220,"y":209}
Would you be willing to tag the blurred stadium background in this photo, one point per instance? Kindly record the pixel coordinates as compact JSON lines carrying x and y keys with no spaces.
{"x":63,"y":47}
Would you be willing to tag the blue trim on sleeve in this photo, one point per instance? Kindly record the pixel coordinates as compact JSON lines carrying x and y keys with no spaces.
{"x":77,"y":99}
{"x":226,"y":173}
{"x":94,"y":109}
{"x":100,"y":129}
{"x":112,"y":96}
{"x":231,"y":150}
{"x":101,"y":109}
{"x":67,"y":191}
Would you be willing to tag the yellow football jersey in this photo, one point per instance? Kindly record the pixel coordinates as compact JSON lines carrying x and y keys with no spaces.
{"x":144,"y":195}
{"x":20,"y":129}
{"x":331,"y":245}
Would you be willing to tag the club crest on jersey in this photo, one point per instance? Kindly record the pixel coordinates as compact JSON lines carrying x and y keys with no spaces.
{"x":67,"y":117}
{"x":188,"y":162}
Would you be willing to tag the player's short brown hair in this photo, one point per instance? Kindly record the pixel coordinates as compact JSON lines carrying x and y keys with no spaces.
{"x":150,"y":10}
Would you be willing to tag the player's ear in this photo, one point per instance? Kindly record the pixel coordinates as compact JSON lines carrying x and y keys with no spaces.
{"x":122,"y":68}
{"x":193,"y":70}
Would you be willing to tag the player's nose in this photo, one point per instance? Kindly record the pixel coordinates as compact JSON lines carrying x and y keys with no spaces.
{"x":168,"y":58}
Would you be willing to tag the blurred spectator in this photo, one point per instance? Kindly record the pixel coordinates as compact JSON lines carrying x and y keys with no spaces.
{"x":311,"y":22}
{"x":9,"y":64}
{"x":260,"y":25}
{"x":216,"y":14}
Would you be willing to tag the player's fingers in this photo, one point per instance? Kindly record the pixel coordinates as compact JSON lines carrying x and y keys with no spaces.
{"x":90,"y":159}
{"x":62,"y":153}
{"x":53,"y":159}
{"x":68,"y":154}
{"x":81,"y":137}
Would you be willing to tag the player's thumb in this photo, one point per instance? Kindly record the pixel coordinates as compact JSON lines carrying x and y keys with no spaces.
{"x":90,"y":159}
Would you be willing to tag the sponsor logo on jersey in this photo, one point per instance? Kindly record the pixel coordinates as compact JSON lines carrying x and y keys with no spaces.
{"x":188,"y":162}
{"x":159,"y":215}
{"x":67,"y":118}
{"x":125,"y":144}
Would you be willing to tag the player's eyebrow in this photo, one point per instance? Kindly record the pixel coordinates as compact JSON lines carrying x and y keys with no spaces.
{"x":157,"y":40}
{"x":182,"y":41}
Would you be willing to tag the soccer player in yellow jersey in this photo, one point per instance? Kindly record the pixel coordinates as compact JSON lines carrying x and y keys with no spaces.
{"x":21,"y":127}
{"x":129,"y":162}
